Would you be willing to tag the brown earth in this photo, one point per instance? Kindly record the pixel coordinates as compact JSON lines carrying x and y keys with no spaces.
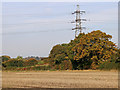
{"x":60,"y":79}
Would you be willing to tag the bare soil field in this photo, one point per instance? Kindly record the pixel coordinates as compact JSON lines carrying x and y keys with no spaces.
{"x":60,"y":79}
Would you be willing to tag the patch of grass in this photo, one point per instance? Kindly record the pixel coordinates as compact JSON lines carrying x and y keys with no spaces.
{"x":40,"y":62}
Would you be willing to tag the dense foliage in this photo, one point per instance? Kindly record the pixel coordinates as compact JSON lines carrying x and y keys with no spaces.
{"x":5,"y":58}
{"x":87,"y":51}
{"x":21,"y":63}
{"x":31,"y":62}
{"x":13,"y":63}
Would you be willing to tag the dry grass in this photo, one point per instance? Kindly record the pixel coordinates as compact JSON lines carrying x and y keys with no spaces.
{"x":60,"y":79}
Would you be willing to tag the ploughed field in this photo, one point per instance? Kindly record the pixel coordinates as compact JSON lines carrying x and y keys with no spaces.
{"x":60,"y":79}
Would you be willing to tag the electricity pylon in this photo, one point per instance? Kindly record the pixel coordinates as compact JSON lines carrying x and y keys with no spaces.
{"x":78,"y":29}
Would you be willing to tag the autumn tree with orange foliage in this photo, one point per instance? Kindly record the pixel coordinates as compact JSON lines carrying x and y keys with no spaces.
{"x":87,"y":51}
{"x":94,"y":48}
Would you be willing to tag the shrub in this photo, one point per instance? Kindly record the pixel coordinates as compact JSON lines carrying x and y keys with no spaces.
{"x":5,"y":58}
{"x":31,"y":62}
{"x":13,"y":63}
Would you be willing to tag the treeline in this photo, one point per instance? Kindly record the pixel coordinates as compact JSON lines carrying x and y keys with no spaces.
{"x":94,"y":50}
{"x":20,"y":63}
{"x":88,"y":51}
{"x":7,"y":61}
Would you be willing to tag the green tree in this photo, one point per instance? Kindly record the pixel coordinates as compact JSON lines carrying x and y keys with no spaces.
{"x":58,"y":49}
{"x":58,"y":57}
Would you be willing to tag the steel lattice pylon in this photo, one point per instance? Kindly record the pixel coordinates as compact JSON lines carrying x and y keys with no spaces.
{"x":78,"y":29}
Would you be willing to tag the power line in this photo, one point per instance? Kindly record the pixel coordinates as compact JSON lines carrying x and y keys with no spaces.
{"x":16,"y":33}
{"x":89,"y":21}
{"x":37,"y":23}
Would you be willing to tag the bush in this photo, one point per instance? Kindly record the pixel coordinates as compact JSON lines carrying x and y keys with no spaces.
{"x":31,"y":62}
{"x":13,"y":63}
{"x":5,"y":58}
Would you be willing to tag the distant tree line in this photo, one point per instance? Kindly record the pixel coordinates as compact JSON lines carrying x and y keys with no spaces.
{"x":20,"y":63}
{"x":17,"y":62}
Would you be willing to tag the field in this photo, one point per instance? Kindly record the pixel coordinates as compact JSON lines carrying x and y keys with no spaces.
{"x":60,"y":79}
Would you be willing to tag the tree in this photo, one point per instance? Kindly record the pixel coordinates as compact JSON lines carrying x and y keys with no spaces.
{"x":94,"y":48}
{"x":58,"y":49}
{"x":86,"y":51}
{"x":59,"y":59}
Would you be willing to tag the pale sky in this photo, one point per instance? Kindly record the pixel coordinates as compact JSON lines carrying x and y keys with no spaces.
{"x":34,"y":28}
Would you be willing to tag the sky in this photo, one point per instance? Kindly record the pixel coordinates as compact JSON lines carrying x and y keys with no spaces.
{"x":33,"y":28}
